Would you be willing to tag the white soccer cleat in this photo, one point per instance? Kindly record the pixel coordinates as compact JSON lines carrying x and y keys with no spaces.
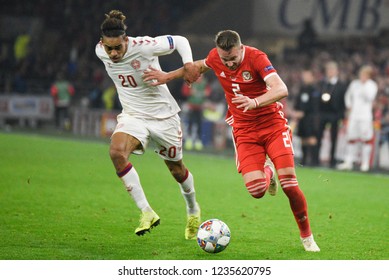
{"x":365,"y":167}
{"x":310,"y":244}
{"x":273,"y":187}
{"x":345,"y":166}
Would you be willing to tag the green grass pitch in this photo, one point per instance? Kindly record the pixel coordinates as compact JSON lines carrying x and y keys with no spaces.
{"x":61,"y":200}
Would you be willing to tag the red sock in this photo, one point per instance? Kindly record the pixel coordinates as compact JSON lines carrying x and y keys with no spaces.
{"x":297,"y":202}
{"x":269,"y":174}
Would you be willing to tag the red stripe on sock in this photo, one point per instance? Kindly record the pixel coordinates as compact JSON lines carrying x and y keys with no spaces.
{"x":185,"y":177}
{"x":125,"y":170}
{"x":257,"y":188}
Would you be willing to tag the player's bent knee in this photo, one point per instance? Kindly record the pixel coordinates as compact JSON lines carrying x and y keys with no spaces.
{"x":257,"y":188}
{"x":116,"y":154}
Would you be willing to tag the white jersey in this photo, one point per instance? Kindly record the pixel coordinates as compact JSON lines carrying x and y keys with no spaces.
{"x":137,"y":98}
{"x":359,"y":99}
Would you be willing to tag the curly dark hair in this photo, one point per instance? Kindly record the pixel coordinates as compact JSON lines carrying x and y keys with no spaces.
{"x":113,"y":25}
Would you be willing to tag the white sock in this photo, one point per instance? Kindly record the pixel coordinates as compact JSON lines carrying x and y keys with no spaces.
{"x":366,"y":152}
{"x":132,"y":183}
{"x":189,"y":194}
{"x":352,"y":150}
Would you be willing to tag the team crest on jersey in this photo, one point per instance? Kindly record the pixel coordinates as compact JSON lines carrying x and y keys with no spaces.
{"x":135,"y":64}
{"x":246,"y":75}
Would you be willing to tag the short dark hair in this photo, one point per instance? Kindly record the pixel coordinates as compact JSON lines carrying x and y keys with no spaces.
{"x":227,"y":39}
{"x":113,"y":25}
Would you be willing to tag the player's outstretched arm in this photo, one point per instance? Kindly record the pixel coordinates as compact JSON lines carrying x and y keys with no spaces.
{"x":191,"y":74}
{"x":156,"y":77}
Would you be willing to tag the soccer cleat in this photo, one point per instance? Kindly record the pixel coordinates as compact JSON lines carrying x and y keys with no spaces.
{"x":188,"y":144}
{"x":148,"y":220}
{"x":198,"y":145}
{"x":310,"y":244}
{"x":273,"y":186}
{"x":345,"y":166}
{"x":365,"y":167}
{"x":192,"y":225}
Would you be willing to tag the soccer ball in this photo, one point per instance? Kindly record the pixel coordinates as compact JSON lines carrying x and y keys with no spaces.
{"x":213,"y":236}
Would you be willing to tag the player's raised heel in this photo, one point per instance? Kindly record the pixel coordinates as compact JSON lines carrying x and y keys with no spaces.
{"x":273,"y":187}
{"x":310,"y":244}
{"x":147,"y":220}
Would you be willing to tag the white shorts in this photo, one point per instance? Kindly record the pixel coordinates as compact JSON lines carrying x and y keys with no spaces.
{"x":360,"y":130}
{"x":164,"y":134}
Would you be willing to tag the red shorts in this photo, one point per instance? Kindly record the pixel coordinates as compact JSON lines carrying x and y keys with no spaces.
{"x":252,"y":144}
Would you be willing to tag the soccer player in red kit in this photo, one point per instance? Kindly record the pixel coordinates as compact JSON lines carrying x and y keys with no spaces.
{"x":252,"y":88}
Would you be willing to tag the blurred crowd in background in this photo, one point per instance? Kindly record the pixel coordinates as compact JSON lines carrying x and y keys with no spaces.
{"x":59,"y":44}
{"x":65,"y":37}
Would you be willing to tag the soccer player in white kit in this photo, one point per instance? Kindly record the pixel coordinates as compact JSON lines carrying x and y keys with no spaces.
{"x":359,"y":100}
{"x":150,"y":114}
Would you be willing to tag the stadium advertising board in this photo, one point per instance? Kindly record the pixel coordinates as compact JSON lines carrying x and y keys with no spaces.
{"x":332,"y":18}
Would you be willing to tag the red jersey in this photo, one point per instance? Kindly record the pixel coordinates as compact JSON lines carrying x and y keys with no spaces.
{"x":248,"y":80}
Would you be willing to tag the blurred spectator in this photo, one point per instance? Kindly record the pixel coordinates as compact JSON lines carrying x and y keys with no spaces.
{"x":62,"y":91}
{"x":306,"y":107}
{"x":21,"y":47}
{"x":331,"y":108}
{"x":110,"y":99}
{"x":95,"y":98}
{"x":196,"y":96}
{"x":385,"y":126}
{"x":307,"y":39}
{"x":19,"y":83}
{"x":383,"y":157}
{"x":215,"y":107}
{"x":359,"y":100}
